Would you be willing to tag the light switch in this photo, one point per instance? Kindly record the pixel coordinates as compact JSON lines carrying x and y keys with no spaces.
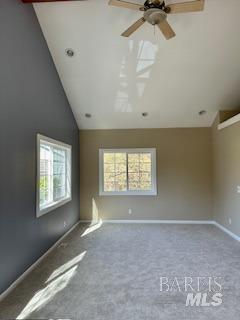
{"x":238,"y":189}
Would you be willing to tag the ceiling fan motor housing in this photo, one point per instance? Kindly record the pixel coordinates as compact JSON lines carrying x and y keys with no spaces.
{"x":156,"y":4}
{"x":154,"y":16}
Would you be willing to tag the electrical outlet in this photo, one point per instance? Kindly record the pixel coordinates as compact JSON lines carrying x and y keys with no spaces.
{"x":230,"y":221}
{"x":129,"y":211}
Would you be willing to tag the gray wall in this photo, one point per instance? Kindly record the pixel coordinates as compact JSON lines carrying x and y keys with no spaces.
{"x":32,"y":101}
{"x":226,"y":168}
{"x":184,"y":174}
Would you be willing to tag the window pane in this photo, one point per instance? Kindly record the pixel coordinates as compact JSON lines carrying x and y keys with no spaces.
{"x":145,"y":176}
{"x":145,"y":157}
{"x":109,"y":176}
{"x":120,"y":157}
{"x":120,"y":167}
{"x":133,"y":185}
{"x":109,"y":167}
{"x":59,"y":173}
{"x":108,"y":157}
{"x":133,"y":167}
{"x":139,"y":171}
{"x":133,"y":176}
{"x":145,"y":167}
{"x":109,"y":186}
{"x":133,"y":157}
{"x":115,"y":171}
{"x":43,"y":189}
{"x":45,"y":192}
{"x":145,"y":185}
{"x":121,"y":182}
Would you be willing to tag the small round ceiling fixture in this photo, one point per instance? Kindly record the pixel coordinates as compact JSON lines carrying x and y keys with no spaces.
{"x":88,"y":115}
{"x":69,"y":52}
{"x":144,"y":114}
{"x":202,"y":112}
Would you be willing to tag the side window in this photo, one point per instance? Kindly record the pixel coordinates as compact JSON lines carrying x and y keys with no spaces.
{"x":53,"y":174}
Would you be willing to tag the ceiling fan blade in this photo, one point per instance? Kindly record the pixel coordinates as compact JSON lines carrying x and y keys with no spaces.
{"x":133,"y":27}
{"x":125,"y":4}
{"x":182,"y":7}
{"x":166,"y":29}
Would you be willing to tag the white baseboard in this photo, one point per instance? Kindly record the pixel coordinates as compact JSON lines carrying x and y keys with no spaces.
{"x":156,"y":221}
{"x":209,"y":222}
{"x":230,"y":233}
{"x":35,"y":264}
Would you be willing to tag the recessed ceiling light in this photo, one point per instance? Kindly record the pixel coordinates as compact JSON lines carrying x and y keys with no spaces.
{"x":69,"y":52}
{"x":144,"y":114}
{"x":202,"y":112}
{"x":88,"y":115}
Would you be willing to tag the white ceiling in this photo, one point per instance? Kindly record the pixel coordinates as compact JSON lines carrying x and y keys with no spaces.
{"x":116,"y":79}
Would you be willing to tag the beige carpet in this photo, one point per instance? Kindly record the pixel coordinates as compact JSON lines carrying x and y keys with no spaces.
{"x":113,"y":272}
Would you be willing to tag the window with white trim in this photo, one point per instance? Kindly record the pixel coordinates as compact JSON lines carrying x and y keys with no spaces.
{"x":127,"y":171}
{"x":53,"y":174}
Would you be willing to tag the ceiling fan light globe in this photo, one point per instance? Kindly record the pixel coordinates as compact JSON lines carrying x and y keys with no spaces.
{"x":154,"y":16}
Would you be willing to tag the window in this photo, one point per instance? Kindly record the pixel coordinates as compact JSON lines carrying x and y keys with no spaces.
{"x":53,"y":174}
{"x":127,"y":172}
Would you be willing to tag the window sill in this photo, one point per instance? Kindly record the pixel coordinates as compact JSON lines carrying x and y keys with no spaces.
{"x":136,"y":193}
{"x":52,"y":206}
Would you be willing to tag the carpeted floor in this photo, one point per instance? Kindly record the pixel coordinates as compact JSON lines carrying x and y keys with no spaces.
{"x":114,"y":273}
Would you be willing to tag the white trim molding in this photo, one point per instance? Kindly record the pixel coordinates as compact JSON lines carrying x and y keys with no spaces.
{"x":208,"y":222}
{"x":229,"y":122}
{"x":161,"y":221}
{"x":230,"y":233}
{"x":35,"y":264}
{"x":155,"y":221}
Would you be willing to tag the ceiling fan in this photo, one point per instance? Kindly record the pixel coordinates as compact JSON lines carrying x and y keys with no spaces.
{"x":155,"y":12}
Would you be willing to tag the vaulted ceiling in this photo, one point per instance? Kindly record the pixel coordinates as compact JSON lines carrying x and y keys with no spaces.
{"x":116,"y":79}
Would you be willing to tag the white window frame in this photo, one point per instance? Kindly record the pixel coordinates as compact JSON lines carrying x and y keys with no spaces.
{"x":152,"y":192}
{"x":62,"y":201}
